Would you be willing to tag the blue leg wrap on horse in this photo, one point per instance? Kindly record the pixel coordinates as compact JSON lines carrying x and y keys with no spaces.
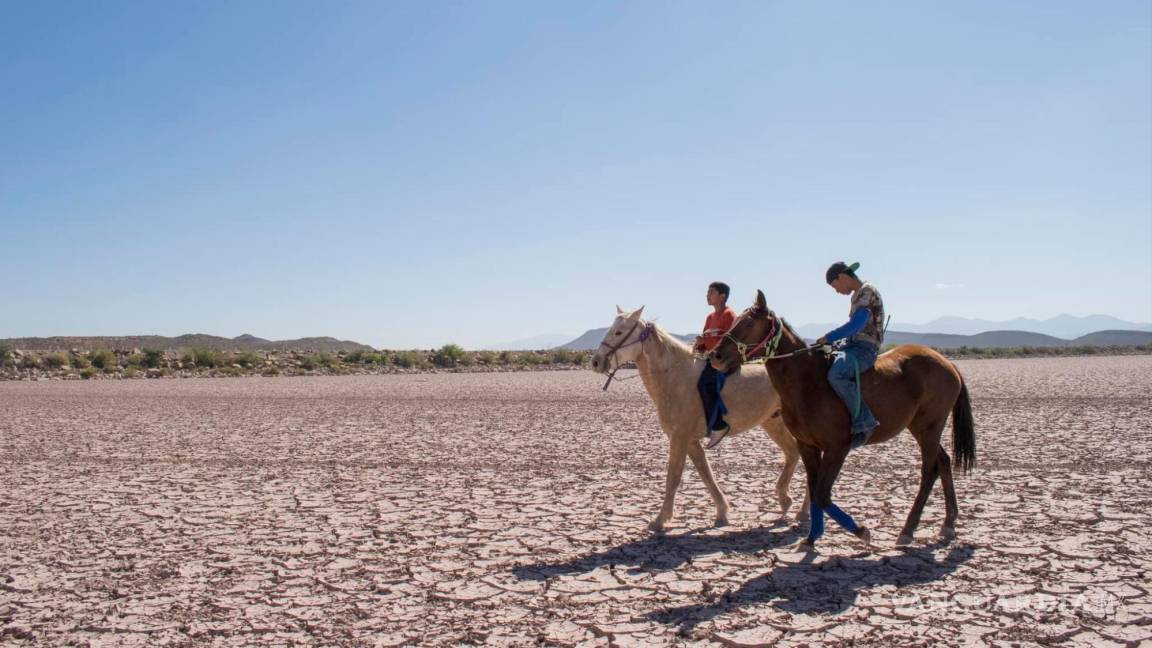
{"x":816,"y":521}
{"x":842,"y":518}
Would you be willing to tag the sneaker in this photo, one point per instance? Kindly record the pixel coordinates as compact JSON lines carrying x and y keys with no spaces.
{"x":714,"y":437}
{"x":860,"y":437}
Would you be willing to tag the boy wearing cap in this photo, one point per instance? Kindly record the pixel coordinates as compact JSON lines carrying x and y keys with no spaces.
{"x":711,"y":381}
{"x":864,"y":333}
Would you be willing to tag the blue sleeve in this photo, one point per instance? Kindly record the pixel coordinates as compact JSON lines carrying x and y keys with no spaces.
{"x":854,"y":326}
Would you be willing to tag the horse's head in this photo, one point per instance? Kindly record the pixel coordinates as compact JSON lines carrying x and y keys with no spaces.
{"x":748,"y":336}
{"x":621,"y":343}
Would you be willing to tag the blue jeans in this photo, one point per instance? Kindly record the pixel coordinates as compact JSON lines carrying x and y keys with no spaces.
{"x":842,"y":377}
{"x":709,"y":386}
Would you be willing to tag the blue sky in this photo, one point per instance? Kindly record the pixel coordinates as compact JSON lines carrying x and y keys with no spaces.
{"x":408,"y":174}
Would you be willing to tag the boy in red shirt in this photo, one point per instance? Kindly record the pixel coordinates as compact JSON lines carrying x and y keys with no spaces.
{"x":711,"y":381}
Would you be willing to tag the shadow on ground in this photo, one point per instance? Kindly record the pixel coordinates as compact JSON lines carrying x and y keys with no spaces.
{"x":828,"y":587}
{"x":661,"y":552}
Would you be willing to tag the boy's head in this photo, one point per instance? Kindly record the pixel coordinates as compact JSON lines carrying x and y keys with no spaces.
{"x":842,"y":277}
{"x":718,"y":292}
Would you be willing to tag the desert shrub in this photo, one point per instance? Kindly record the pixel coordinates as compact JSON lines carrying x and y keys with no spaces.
{"x":56,"y":360}
{"x":568,"y":356}
{"x":508,"y":357}
{"x":373,"y":358}
{"x":246,"y":359}
{"x":486,"y":357}
{"x":207,"y":358}
{"x":230,"y":371}
{"x":87,"y":372}
{"x":131,"y":372}
{"x":354,"y":357}
{"x":270,"y":370}
{"x":80,"y":361}
{"x":448,"y":355}
{"x":410,"y":360}
{"x":153,"y":358}
{"x":532,"y":358}
{"x":134,"y":360}
{"x":308,"y":362}
{"x":102,"y":359}
{"x":5,"y":354}
{"x":29,"y":362}
{"x":327,"y":360}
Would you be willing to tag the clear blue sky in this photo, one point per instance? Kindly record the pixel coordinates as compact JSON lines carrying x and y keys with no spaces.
{"x":413,"y":173}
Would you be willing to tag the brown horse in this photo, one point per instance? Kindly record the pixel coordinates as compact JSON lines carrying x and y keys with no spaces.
{"x":911,"y":387}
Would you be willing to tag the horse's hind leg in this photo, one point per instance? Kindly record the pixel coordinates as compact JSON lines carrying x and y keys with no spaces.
{"x":929,"y":439}
{"x":700,"y":460}
{"x":951,"y":510}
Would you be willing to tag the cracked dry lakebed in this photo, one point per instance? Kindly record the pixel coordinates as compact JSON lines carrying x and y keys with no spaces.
{"x":512,"y":509}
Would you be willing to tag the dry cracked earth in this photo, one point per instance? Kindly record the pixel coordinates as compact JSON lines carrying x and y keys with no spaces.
{"x":511,"y":509}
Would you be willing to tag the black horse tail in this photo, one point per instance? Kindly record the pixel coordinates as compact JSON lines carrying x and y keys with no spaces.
{"x":963,"y":431}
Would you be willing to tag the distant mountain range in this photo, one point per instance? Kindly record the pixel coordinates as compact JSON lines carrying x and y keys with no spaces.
{"x":1063,"y":326}
{"x":987,"y":339}
{"x":244,"y":342}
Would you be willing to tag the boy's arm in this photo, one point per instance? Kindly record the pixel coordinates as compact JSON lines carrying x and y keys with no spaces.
{"x":855,"y":325}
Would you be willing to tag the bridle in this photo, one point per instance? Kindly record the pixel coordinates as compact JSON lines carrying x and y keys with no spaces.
{"x":769,"y":344}
{"x":612,"y":349}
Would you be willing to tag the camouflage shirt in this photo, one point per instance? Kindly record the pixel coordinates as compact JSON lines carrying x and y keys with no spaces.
{"x":868,"y":297}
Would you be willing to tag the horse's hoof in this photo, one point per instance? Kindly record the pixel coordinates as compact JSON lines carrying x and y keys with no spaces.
{"x":948,"y":533}
{"x":865,"y":536}
{"x":720,"y":522}
{"x":656,"y":526}
{"x":903,"y":540}
{"x":807,"y":544}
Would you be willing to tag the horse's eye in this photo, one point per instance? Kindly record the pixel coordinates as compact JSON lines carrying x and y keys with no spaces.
{"x":619,"y":332}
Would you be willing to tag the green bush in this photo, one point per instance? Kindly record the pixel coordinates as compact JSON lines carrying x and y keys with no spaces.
{"x":102,"y":359}
{"x":131,"y":372}
{"x":153,"y":358}
{"x":207,"y":358}
{"x":87,"y":372}
{"x":410,"y":360}
{"x":80,"y":361}
{"x":5,"y":354}
{"x":355,"y":357}
{"x":486,"y":357}
{"x":308,"y":362}
{"x":56,"y":360}
{"x":508,"y":357}
{"x":448,"y":355}
{"x":29,"y":362}
{"x":246,"y":359}
{"x":374,"y":358}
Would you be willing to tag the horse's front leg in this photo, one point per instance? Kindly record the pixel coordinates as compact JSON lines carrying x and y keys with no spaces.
{"x":787,"y":444}
{"x":677,"y":451}
{"x":700,"y":460}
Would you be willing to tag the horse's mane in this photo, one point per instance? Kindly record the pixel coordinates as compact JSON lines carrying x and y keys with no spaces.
{"x":672,"y":340}
{"x":771,"y":313}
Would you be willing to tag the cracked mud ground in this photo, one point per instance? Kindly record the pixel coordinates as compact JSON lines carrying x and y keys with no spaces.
{"x":511,"y":509}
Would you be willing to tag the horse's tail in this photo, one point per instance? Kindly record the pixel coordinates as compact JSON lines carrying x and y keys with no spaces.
{"x":963,"y":431}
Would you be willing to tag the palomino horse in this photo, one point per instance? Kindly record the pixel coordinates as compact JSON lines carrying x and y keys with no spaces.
{"x":911,"y":387}
{"x":669,"y":372}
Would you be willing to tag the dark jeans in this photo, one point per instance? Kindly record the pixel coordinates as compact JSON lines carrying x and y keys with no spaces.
{"x":709,"y":386}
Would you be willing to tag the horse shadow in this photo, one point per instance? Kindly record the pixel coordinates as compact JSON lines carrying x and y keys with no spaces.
{"x":804,"y":587}
{"x":830,"y":587}
{"x":661,"y":552}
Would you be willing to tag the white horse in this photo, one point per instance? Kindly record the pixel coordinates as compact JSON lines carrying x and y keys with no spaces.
{"x":670,"y":371}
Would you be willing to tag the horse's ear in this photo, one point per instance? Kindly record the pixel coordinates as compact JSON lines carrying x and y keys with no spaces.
{"x":636,"y":315}
{"x":761,"y":303}
{"x":619,"y":311}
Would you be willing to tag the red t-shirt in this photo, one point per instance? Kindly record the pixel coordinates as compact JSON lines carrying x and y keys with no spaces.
{"x":715,"y":326}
